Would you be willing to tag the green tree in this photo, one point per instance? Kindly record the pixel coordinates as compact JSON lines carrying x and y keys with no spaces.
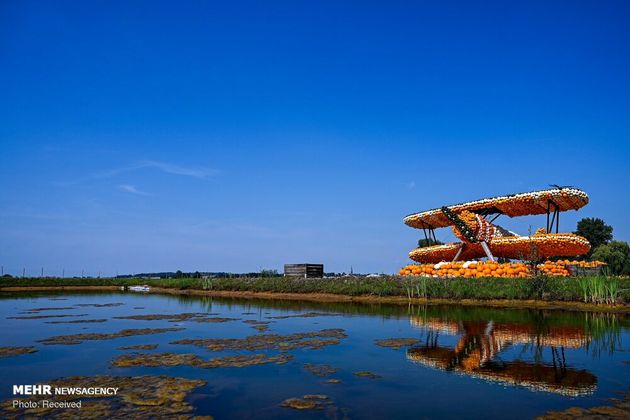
{"x":427,"y":242}
{"x":616,"y":255}
{"x":268,"y":273}
{"x":596,"y":231}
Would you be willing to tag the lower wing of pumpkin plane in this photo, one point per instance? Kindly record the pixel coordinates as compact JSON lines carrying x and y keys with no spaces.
{"x":534,"y":247}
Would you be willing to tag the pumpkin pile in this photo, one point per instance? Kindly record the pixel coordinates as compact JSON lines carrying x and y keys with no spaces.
{"x":467,"y":269}
{"x":584,"y":264}
{"x":554,"y":269}
{"x":471,"y":269}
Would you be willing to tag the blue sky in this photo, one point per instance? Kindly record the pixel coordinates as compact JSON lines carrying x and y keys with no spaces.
{"x":149,"y":136}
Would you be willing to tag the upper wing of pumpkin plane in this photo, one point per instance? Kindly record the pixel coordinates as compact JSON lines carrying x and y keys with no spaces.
{"x":522,"y":204}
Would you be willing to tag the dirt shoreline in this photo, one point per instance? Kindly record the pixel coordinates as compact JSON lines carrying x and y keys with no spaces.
{"x":330,"y":297}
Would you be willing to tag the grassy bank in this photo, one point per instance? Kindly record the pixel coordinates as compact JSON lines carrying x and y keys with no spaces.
{"x":596,"y":290}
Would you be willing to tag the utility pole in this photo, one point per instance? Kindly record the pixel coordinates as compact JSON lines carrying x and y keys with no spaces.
{"x":3,"y":270}
{"x":63,"y":273}
{"x":23,"y":272}
{"x":81,"y":273}
{"x":42,"y":275}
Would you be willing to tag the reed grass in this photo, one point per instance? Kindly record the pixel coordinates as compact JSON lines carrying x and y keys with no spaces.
{"x":599,"y":289}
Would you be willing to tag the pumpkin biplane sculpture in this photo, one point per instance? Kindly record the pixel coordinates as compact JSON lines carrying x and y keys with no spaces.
{"x":473,"y":224}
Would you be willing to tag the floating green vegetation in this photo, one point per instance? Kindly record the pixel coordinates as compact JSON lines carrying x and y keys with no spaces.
{"x":306,"y":315}
{"x":79,"y":338}
{"x":214,"y":320}
{"x":312,"y":340}
{"x":137,"y":397}
{"x":99,"y":305}
{"x":320,"y":370}
{"x":194,"y":316}
{"x":260,"y":326}
{"x":367,"y":374}
{"x":62,"y":308}
{"x":396,"y":343}
{"x":177,"y":359}
{"x":16,"y":351}
{"x":255,"y":322}
{"x":618,"y":409}
{"x":44,"y":316}
{"x":78,"y":321}
{"x":333,"y":381}
{"x":301,"y":404}
{"x":160,"y":317}
{"x":307,"y":402}
{"x":140,"y":347}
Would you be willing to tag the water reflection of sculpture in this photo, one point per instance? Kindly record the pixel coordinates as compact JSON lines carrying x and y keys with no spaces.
{"x":475,"y":354}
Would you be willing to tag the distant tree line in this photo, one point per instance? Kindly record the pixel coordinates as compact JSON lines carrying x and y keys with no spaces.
{"x":179,"y":274}
{"x":616,"y":254}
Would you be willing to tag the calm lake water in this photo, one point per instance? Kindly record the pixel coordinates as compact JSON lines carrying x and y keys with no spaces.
{"x":468,"y":362}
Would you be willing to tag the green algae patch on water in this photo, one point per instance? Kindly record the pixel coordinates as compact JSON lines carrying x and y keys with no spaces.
{"x":45,"y":316}
{"x":139,"y":347}
{"x":188,"y":316}
{"x":260,"y":326}
{"x":333,"y":381}
{"x":79,"y":338}
{"x":214,"y":320}
{"x":178,"y":359}
{"x":16,"y":351}
{"x":320,"y":370}
{"x":136,"y":397}
{"x":305,"y":315}
{"x":307,"y":402}
{"x":311,"y":340}
{"x":301,"y":404}
{"x":367,"y":374}
{"x":396,"y":343}
{"x":78,"y":321}
{"x":62,"y":308}
{"x":618,"y":409}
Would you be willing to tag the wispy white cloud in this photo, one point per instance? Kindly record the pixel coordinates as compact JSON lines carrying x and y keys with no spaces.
{"x":131,"y":189}
{"x":169,"y":168}
{"x":200,"y":172}
{"x":194,"y":171}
